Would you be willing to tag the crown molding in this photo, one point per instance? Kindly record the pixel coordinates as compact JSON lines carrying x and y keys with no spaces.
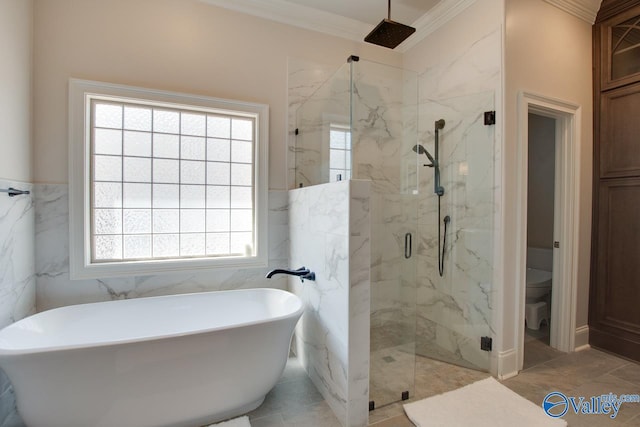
{"x":298,"y":16}
{"x":583,"y":9}
{"x":317,"y":20}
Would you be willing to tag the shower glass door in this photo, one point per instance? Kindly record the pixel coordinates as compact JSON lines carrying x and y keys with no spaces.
{"x":323,"y":132}
{"x":384,"y":131}
{"x":454,"y":312}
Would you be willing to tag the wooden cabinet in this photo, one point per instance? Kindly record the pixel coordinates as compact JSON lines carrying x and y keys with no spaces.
{"x":614,"y":305}
{"x":619,"y":47}
{"x":619,"y":142}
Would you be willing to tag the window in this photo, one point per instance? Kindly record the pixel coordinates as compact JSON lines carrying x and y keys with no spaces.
{"x":163,"y":181}
{"x":339,"y":153}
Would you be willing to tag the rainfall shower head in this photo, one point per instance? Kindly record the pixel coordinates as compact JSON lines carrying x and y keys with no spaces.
{"x":421,"y":150}
{"x":439,"y":124}
{"x":389,"y":33}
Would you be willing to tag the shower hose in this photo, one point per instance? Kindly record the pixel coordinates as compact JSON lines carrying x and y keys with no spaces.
{"x":441,"y":249}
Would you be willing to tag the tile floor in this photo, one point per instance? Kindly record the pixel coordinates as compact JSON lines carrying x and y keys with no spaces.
{"x":536,"y":347}
{"x":585,"y":373}
{"x":296,"y":402}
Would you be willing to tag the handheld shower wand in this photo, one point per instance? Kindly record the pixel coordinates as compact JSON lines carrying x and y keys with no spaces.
{"x":421,"y":150}
{"x":438,"y":190}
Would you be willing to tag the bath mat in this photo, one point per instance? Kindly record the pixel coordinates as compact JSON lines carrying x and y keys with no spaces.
{"x":236,"y":422}
{"x":485,"y":403}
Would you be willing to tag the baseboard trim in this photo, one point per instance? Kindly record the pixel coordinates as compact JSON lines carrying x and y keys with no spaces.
{"x":582,"y":348}
{"x":581,"y":340}
{"x":507,"y":364}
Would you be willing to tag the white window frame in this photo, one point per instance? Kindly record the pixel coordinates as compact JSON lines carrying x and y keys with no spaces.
{"x":346,"y":129}
{"x":80,"y":263}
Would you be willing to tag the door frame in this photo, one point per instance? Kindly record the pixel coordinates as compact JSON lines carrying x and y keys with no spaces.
{"x":566,"y":217}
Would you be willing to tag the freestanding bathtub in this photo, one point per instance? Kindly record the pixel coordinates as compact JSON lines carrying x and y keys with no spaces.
{"x":183,"y":360}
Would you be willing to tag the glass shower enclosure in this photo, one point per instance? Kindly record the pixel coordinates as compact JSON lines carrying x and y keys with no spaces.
{"x":364,"y":123}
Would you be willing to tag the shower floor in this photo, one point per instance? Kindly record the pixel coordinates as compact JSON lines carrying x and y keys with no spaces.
{"x":432,"y":377}
{"x":393,"y":368}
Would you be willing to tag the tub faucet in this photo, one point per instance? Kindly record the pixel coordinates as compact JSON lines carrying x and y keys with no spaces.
{"x":302,"y":272}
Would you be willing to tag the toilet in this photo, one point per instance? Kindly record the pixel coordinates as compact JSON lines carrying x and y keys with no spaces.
{"x":538,"y":285}
{"x":538,"y":289}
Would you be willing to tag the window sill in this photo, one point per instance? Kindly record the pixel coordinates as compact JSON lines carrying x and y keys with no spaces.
{"x":154,"y":267}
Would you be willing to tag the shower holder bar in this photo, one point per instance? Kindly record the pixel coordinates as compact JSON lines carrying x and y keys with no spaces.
{"x":12,"y":192}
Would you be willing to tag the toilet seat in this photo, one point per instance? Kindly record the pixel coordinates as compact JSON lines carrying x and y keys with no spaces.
{"x":538,"y":278}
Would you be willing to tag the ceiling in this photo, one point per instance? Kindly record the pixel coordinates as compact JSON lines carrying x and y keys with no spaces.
{"x":372,"y":11}
{"x":354,"y":19}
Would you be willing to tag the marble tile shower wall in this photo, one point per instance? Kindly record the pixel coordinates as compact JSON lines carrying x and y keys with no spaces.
{"x":55,"y":289}
{"x":384,"y":131}
{"x":329,"y":229}
{"x":328,"y":107}
{"x":17,"y":275}
{"x":455,"y":311}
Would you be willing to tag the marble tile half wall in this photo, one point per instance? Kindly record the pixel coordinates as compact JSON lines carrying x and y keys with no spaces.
{"x":330,"y":234}
{"x":56,"y":289}
{"x":17,"y":274}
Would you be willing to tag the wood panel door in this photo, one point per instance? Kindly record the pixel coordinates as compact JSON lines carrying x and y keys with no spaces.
{"x":620,"y":132}
{"x":614,"y":322}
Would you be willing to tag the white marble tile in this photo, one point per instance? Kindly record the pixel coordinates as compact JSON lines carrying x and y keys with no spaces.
{"x":329,"y":233}
{"x":322,"y":334}
{"x":359,"y":303}
{"x":392,"y":111}
{"x":477,"y":69}
{"x":55,"y":289}
{"x":455,"y":311}
{"x":17,"y":272}
{"x":329,"y":209}
{"x":321,"y":91}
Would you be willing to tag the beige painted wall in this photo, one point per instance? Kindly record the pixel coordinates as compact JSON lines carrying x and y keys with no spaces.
{"x":16,"y":30}
{"x":548,"y":52}
{"x":542,"y":138}
{"x":177,"y":45}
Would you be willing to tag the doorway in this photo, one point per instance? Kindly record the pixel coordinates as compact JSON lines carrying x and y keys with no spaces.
{"x":563,"y":121}
{"x":541,"y":192}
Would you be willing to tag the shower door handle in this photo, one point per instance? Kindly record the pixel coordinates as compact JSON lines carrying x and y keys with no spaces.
{"x":407,"y":245}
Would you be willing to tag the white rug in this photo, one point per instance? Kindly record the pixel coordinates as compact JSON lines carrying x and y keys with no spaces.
{"x":485,"y":403}
{"x":236,"y":422}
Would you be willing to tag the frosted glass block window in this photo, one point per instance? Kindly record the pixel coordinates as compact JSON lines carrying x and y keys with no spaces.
{"x":339,"y":153}
{"x":170,"y":182}
{"x":162,"y":182}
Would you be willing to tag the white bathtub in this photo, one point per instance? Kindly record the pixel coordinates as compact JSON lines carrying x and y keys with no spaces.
{"x":183,"y":360}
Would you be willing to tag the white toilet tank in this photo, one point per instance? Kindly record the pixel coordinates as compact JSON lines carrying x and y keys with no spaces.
{"x":540,"y":258}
